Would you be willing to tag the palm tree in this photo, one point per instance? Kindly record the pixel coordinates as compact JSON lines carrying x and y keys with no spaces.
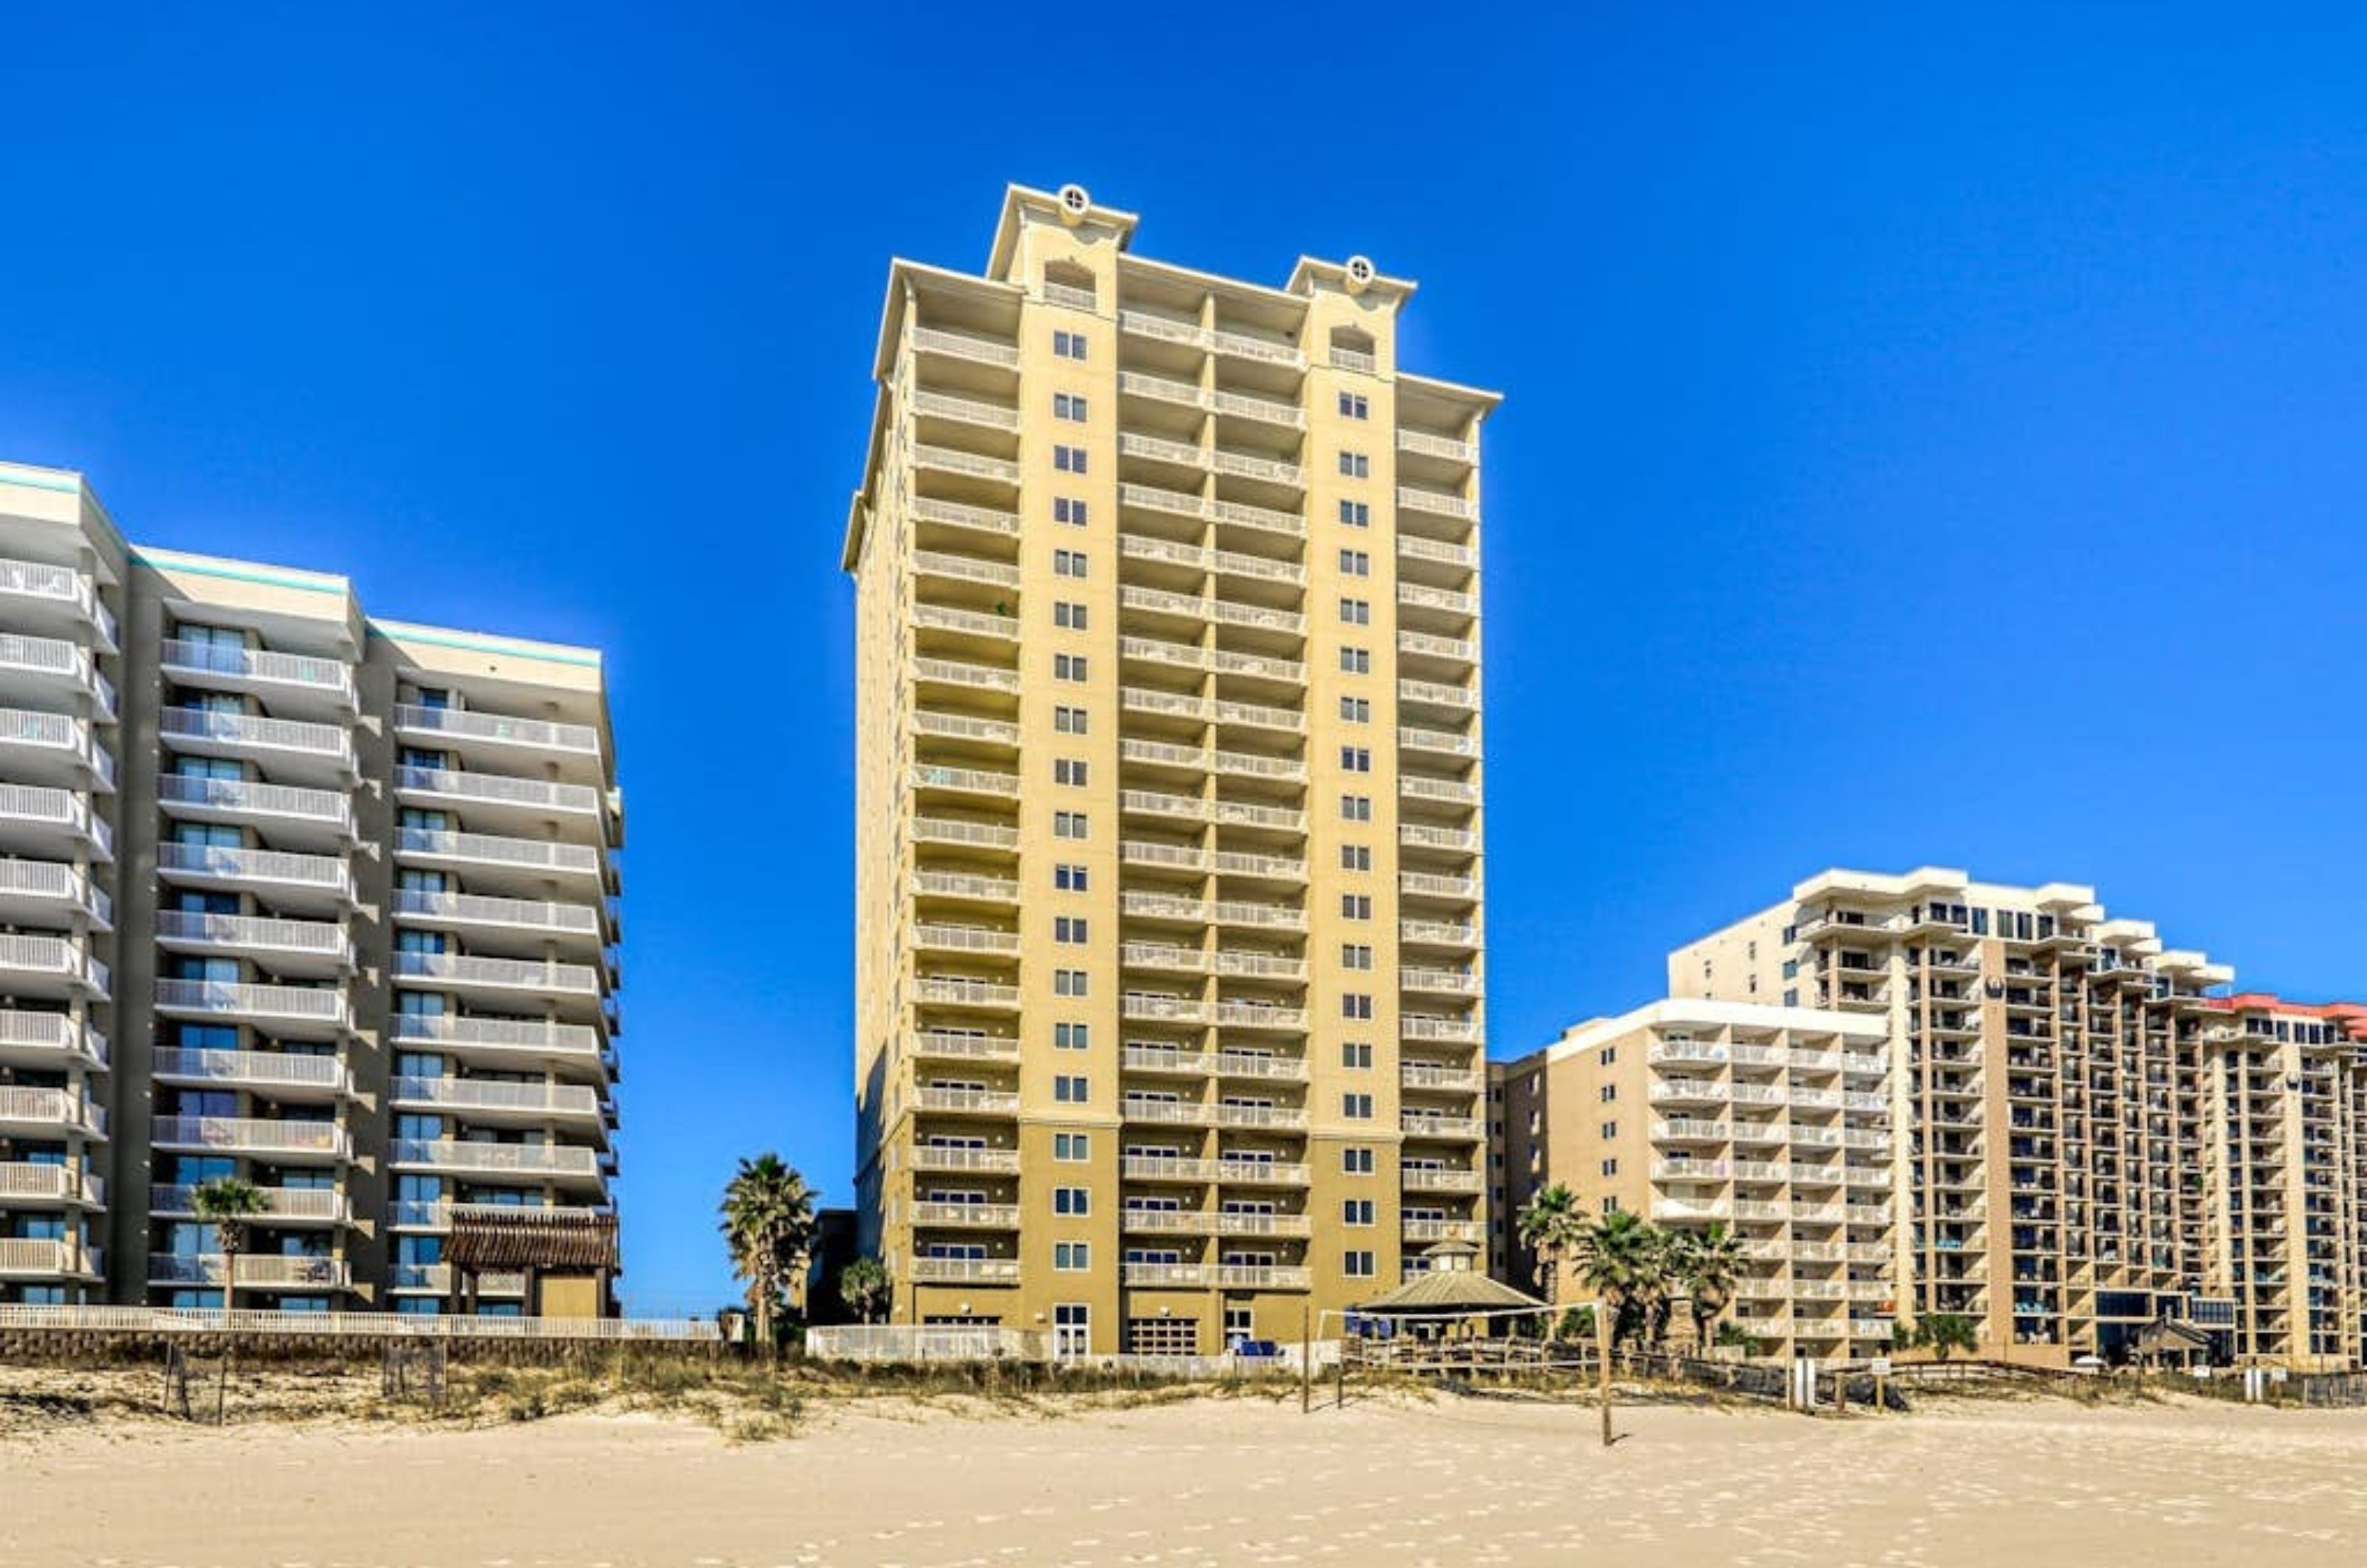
{"x":864,"y":1286}
{"x":1547,"y":1223}
{"x":1706,"y":1265}
{"x":228,"y":1203}
{"x":1623,"y":1260}
{"x":768,"y":1222}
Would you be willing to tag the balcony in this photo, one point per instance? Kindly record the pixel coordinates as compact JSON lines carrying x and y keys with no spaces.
{"x":930,"y":1215}
{"x":1141,"y":1218}
{"x":43,"y":821}
{"x":43,"y":597}
{"x":496,"y":800}
{"x":1436,"y":1178}
{"x":1274,"y":1118}
{"x":528,"y":919}
{"x":508,"y":977}
{"x":1427,"y":884}
{"x":489,"y":857}
{"x":472,"y":733}
{"x":957,"y":991}
{"x":503,"y":1103}
{"x":960,"y":1158}
{"x":280,"y":1074}
{"x":52,"y":967}
{"x":1171,"y":1276}
{"x":943,"y":1101}
{"x":1262,"y":1066}
{"x":257,"y":670}
{"x":1440,"y":982}
{"x":313,"y":1013}
{"x":966,"y":347}
{"x":501,"y":1042}
{"x":39,"y":670}
{"x":49,"y":1041}
{"x":257,"y":1271}
{"x":1168,"y":1113}
{"x":1425,"y":1079}
{"x":35,"y":1260}
{"x":1167,"y":1169}
{"x":316,"y":883}
{"x":326,"y":751}
{"x":974,"y":466}
{"x":964,"y":1271}
{"x":1427,"y":1026}
{"x":1262,"y":1015}
{"x":67,"y":1183}
{"x":966,"y":519}
{"x":1443,"y":1129}
{"x":281,"y":1206}
{"x":297,"y":947}
{"x":1426,"y":1231}
{"x":277,"y":1141}
{"x":944,"y":938}
{"x":325,"y":817}
{"x":1253,"y":1276}
{"x":961,"y":1046}
{"x":1234,"y":1172}
{"x":968,"y":835}
{"x":54,"y":749}
{"x":555,"y":1162}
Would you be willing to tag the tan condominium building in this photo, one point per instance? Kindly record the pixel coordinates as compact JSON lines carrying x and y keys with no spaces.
{"x":1168,"y":926}
{"x":2062,"y":1091}
{"x":292,"y":894}
{"x":1772,"y":1121}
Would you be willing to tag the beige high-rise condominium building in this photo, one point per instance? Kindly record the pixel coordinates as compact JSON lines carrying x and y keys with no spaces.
{"x":292,"y":894}
{"x":1773,"y":1121}
{"x":2087,"y":1134}
{"x":1168,"y":925}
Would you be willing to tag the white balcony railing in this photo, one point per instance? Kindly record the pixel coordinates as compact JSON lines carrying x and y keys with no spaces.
{"x":467,"y":724}
{"x":261,"y":666}
{"x":323,"y":1004}
{"x":255,"y":732}
{"x":326,"y":872}
{"x":246,"y":1132}
{"x":263,"y":1069}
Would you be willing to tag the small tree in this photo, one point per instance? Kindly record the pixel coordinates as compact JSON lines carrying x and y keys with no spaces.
{"x":866,"y":1289}
{"x":768,"y":1222}
{"x":229,"y":1204}
{"x":1944,"y":1333}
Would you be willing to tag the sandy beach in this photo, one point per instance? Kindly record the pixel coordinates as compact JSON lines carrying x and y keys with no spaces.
{"x":1248,"y":1481}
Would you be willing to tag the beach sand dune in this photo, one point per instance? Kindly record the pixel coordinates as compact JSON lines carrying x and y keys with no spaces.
{"x":1197,"y":1484}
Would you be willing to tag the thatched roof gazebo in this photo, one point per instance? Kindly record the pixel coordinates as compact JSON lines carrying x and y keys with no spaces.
{"x":558,"y":1262}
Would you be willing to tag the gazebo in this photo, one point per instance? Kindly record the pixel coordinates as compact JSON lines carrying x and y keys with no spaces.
{"x":564,"y":1262}
{"x":1448,"y":1295}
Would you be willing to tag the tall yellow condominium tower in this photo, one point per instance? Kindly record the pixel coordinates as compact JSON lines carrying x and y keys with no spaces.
{"x":1168,"y":884}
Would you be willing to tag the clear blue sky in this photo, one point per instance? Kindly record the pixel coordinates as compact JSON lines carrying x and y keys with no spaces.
{"x":1927,"y":441}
